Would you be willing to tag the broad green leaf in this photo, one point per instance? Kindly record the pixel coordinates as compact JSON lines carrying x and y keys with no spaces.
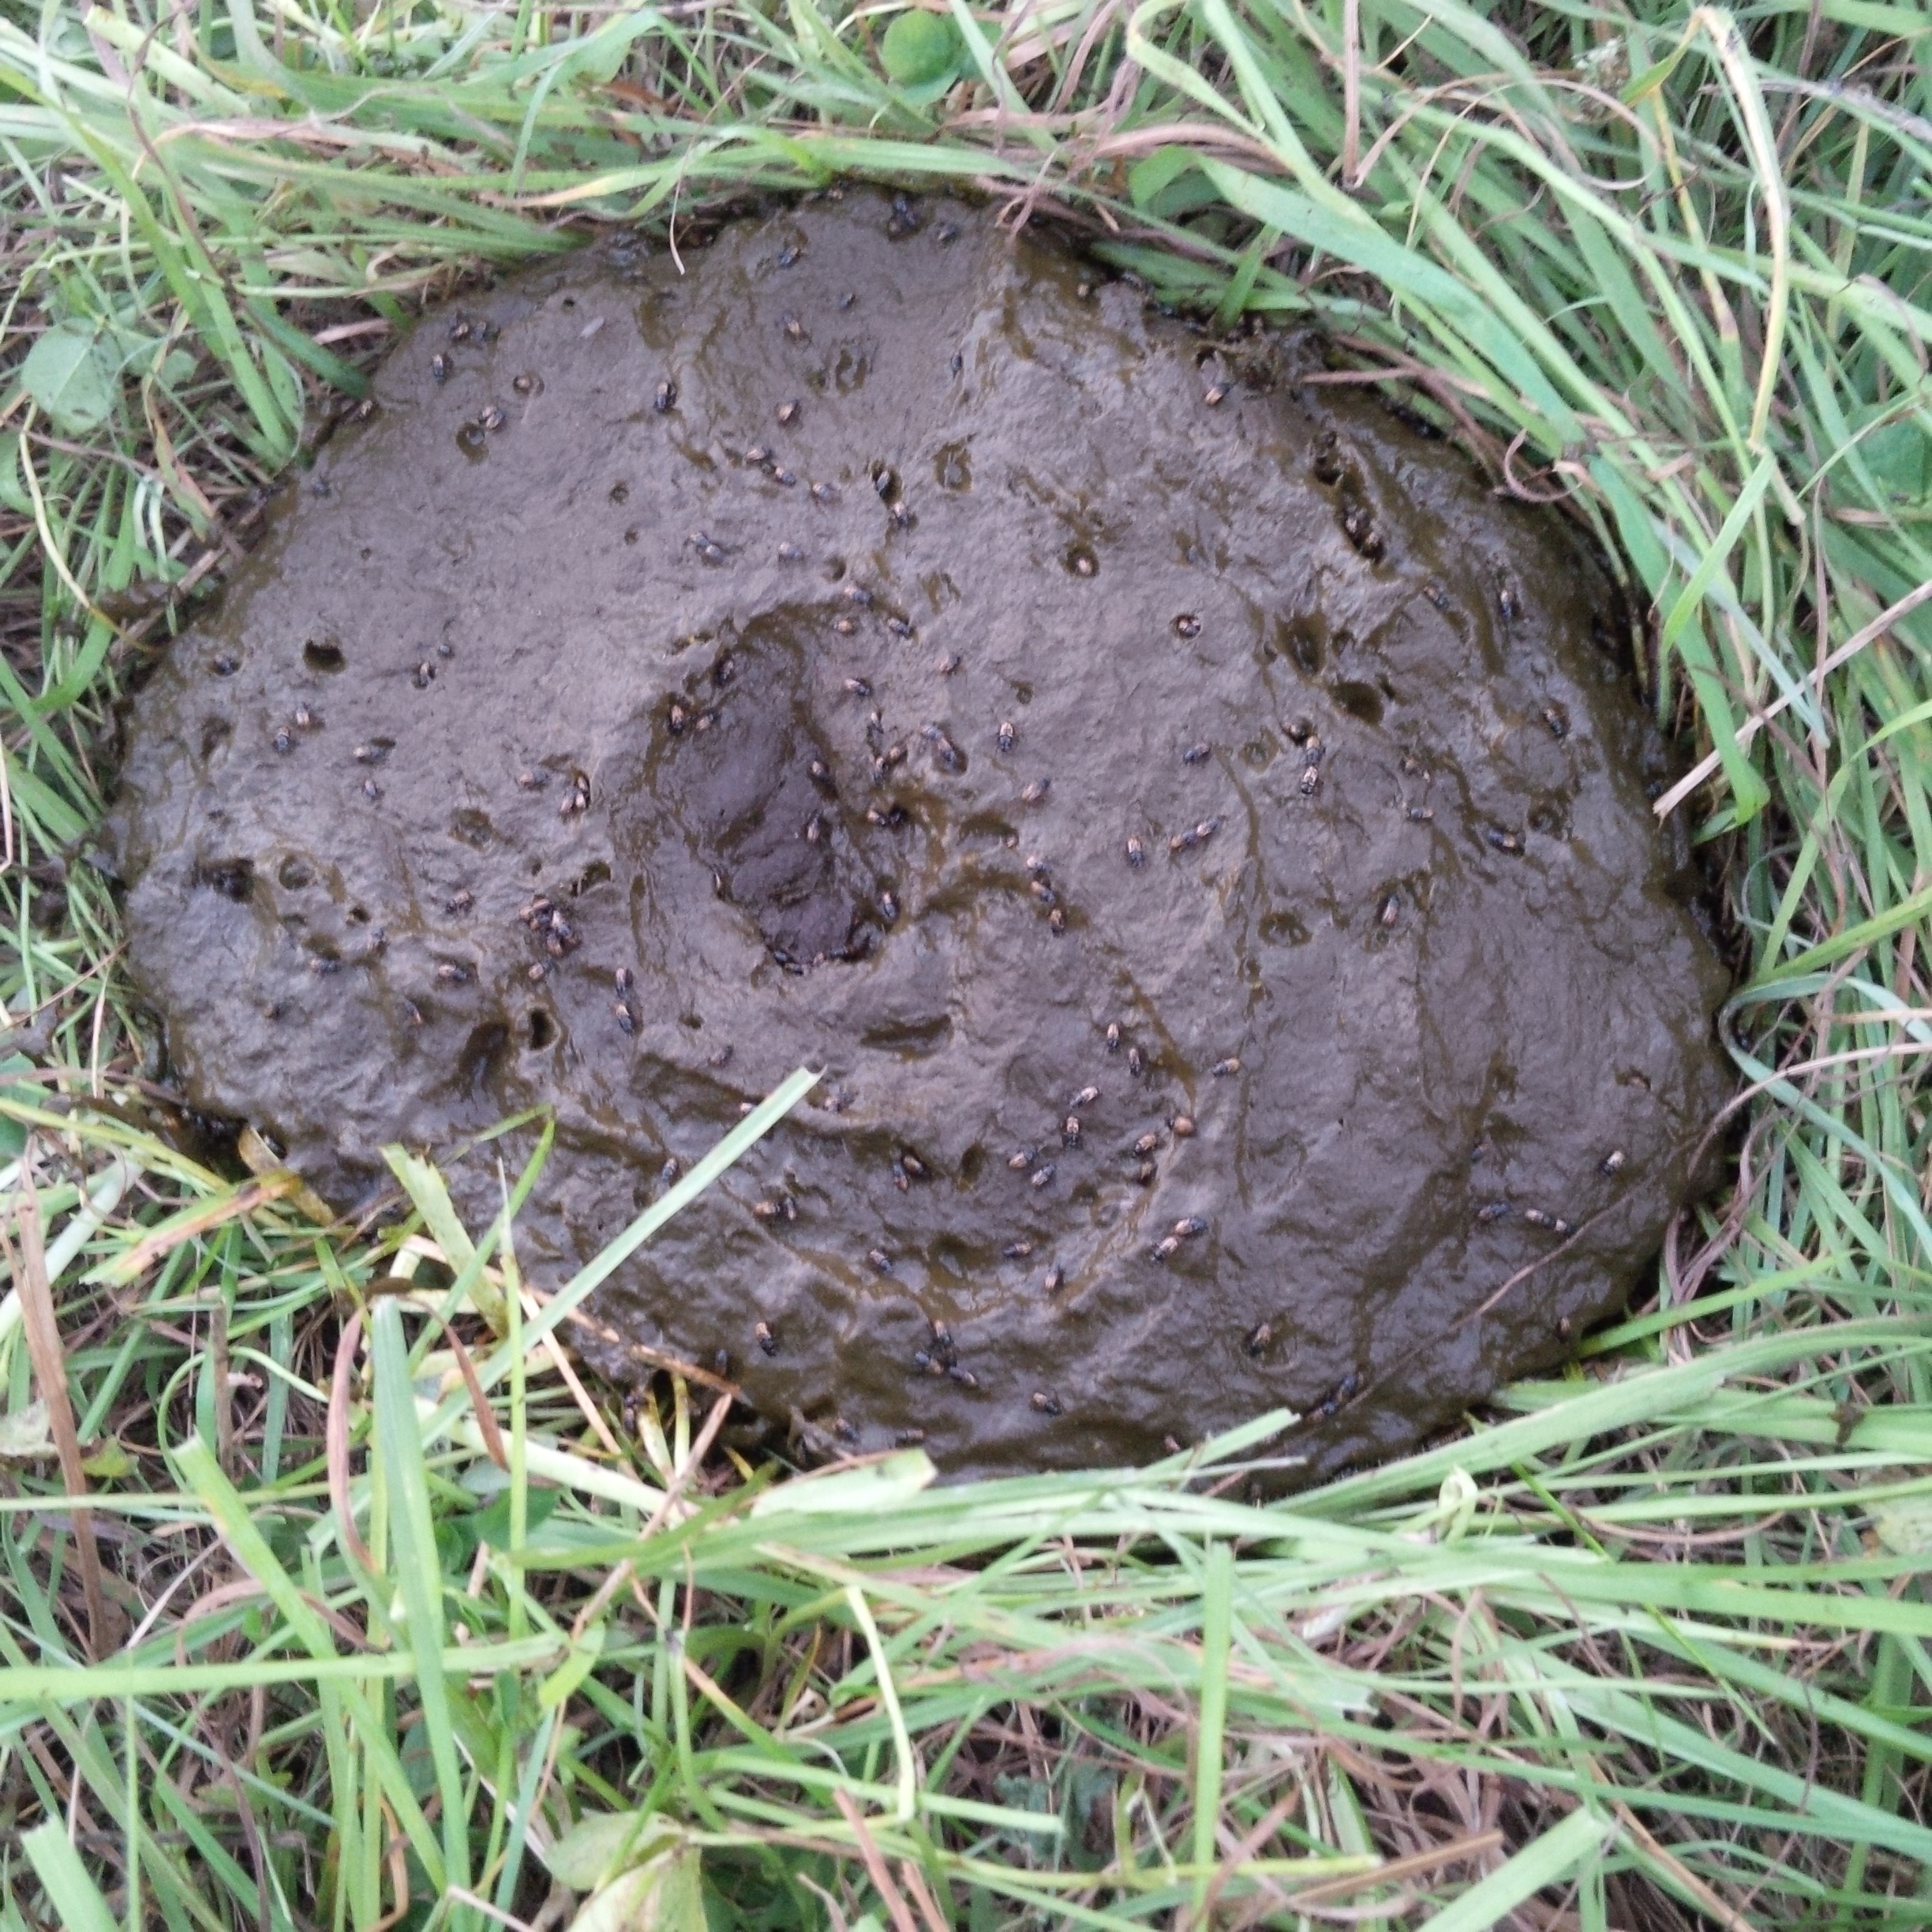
{"x":665,"y":1894}
{"x":109,"y":1461}
{"x":1904,"y":1524}
{"x":920,"y":48}
{"x":176,"y":367}
{"x":131,"y":348}
{"x":597,"y":1846}
{"x":491,"y":1524}
{"x":71,"y":373}
{"x":1899,"y":456}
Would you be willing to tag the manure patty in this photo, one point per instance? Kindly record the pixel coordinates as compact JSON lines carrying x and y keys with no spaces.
{"x":1201,"y":832}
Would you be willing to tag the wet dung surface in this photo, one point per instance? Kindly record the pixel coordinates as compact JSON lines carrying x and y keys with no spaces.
{"x":1201,"y":832}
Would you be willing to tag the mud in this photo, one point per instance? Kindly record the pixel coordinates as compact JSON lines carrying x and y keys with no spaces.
{"x":1202,"y":833}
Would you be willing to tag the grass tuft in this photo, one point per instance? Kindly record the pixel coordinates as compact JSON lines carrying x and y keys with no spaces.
{"x":374,"y":1615}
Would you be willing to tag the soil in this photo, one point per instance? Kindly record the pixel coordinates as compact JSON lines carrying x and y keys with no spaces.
{"x":1201,"y":831}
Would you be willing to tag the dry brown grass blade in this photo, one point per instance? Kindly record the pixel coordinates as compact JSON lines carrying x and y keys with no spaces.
{"x":1460,"y":1741}
{"x":1250,"y":1843}
{"x":1351,"y":94}
{"x":197,"y":1222}
{"x":337,"y":1446}
{"x":224,"y":1407}
{"x":929,"y":1910}
{"x":1397,"y":1871}
{"x":1708,"y":1901}
{"x":479,"y":1405}
{"x":902,"y":1919}
{"x":50,"y":1367}
{"x":639,"y":1352}
{"x":397,"y":1856}
{"x":579,"y":1394}
{"x":691,"y":1464}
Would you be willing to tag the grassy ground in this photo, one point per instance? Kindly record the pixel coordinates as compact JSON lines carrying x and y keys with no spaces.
{"x":375,"y":1619}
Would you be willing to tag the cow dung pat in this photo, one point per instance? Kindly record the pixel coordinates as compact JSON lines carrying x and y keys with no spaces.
{"x":1201,"y":832}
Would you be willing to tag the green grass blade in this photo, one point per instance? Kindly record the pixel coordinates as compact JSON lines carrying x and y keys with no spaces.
{"x":76,"y":1899}
{"x":419,"y":1575}
{"x":1547,"y":1861}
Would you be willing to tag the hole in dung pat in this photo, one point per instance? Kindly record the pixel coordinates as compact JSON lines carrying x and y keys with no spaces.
{"x":322,"y":654}
{"x":543,"y":1031}
{"x":294,"y":874}
{"x":234,"y":879}
{"x":791,"y":857}
{"x":1361,"y":701}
